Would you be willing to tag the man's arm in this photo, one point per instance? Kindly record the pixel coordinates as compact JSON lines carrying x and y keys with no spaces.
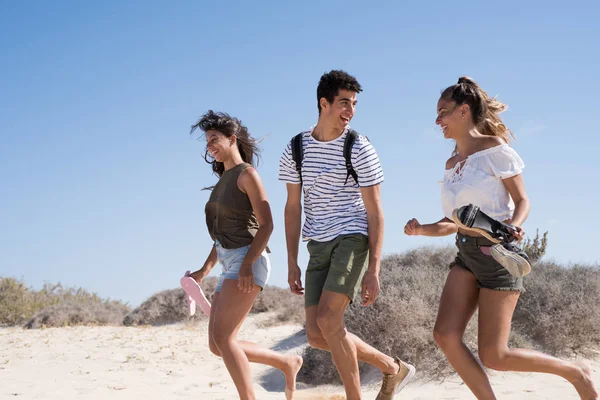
{"x":372,"y":200}
{"x":293,"y":226}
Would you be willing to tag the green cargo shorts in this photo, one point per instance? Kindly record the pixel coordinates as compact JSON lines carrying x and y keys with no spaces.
{"x":336,"y":266}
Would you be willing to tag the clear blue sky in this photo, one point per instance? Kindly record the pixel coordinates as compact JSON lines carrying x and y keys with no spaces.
{"x":101,"y":182}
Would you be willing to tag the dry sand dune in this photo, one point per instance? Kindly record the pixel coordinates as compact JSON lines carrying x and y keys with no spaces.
{"x":174,"y":362}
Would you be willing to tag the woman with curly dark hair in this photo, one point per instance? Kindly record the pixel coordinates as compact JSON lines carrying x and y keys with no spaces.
{"x":238,"y":217}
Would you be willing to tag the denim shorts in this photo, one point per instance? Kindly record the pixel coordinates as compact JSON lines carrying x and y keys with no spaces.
{"x":488,"y":272}
{"x":231,"y":261}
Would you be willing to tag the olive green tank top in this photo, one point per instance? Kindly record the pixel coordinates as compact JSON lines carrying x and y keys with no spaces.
{"x":229,"y":215}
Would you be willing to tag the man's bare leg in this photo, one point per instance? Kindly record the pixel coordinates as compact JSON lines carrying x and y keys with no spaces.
{"x":330,"y":320}
{"x":365,"y":352}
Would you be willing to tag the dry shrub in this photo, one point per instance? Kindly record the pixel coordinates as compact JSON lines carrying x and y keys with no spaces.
{"x":17,"y":302}
{"x":165,"y":307}
{"x":72,"y":312}
{"x":170,"y":306}
{"x":558,"y":314}
{"x":287,"y":307}
{"x":559,"y":311}
{"x":536,"y":247}
{"x":56,"y":305}
{"x":74,"y":306}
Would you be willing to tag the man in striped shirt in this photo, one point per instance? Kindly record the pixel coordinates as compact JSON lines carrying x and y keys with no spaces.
{"x":344,"y":230}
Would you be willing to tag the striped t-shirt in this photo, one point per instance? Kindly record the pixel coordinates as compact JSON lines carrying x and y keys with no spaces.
{"x":332,"y":206}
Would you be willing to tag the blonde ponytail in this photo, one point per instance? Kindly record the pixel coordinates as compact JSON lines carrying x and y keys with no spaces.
{"x":485,"y":110}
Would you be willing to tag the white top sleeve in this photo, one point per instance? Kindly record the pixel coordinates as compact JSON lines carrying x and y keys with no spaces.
{"x":506,"y":163}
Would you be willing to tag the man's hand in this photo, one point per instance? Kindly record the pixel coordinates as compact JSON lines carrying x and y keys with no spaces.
{"x":370,"y":288}
{"x":246,"y":278}
{"x":295,"y":279}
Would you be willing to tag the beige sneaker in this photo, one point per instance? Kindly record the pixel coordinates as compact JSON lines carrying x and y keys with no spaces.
{"x":393,"y":383}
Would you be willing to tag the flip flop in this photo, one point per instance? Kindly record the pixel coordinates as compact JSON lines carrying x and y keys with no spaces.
{"x":195,"y":294}
{"x":505,"y":252}
{"x":191,"y":303}
{"x":472,"y":218}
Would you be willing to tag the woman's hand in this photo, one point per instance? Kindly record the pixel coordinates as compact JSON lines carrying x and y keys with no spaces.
{"x":413,"y":228}
{"x":199,"y":275}
{"x":518,"y":233}
{"x":246,"y":278}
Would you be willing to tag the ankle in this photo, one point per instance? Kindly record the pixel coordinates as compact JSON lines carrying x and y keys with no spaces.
{"x":575,"y":373}
{"x":391,"y":368}
{"x":292,"y":363}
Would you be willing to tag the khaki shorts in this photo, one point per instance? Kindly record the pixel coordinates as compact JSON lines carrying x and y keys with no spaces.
{"x":336,"y":266}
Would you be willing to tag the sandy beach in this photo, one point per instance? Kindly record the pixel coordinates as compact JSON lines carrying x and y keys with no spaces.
{"x":174,"y":362}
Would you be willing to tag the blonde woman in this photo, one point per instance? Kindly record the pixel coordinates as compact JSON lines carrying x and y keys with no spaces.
{"x":484,"y":170}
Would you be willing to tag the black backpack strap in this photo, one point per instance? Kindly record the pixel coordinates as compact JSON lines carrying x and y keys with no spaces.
{"x":348,"y":144}
{"x":297,"y":153}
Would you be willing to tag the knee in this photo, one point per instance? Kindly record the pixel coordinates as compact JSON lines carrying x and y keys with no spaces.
{"x":213,"y":347}
{"x":493,"y":358}
{"x":330,"y":325}
{"x":220,"y":339}
{"x":314,"y":337}
{"x":447,"y":338}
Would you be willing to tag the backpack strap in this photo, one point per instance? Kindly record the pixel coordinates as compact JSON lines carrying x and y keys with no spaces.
{"x":297,"y":153}
{"x":348,"y":144}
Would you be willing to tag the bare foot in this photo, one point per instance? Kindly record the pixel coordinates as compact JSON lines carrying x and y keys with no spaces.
{"x":293,"y":366}
{"x":585,"y":384}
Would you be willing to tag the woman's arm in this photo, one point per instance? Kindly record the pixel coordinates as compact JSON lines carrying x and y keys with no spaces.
{"x":443,"y":227}
{"x":210,"y":262}
{"x":516,"y":189}
{"x":250,"y":183}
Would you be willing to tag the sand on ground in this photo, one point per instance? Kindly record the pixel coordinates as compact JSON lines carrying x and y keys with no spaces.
{"x":174,"y":362}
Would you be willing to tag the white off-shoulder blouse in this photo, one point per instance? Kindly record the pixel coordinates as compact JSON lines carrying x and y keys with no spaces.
{"x":478,"y":180}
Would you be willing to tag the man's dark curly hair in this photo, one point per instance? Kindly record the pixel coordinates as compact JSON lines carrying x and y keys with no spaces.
{"x":331,"y":83}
